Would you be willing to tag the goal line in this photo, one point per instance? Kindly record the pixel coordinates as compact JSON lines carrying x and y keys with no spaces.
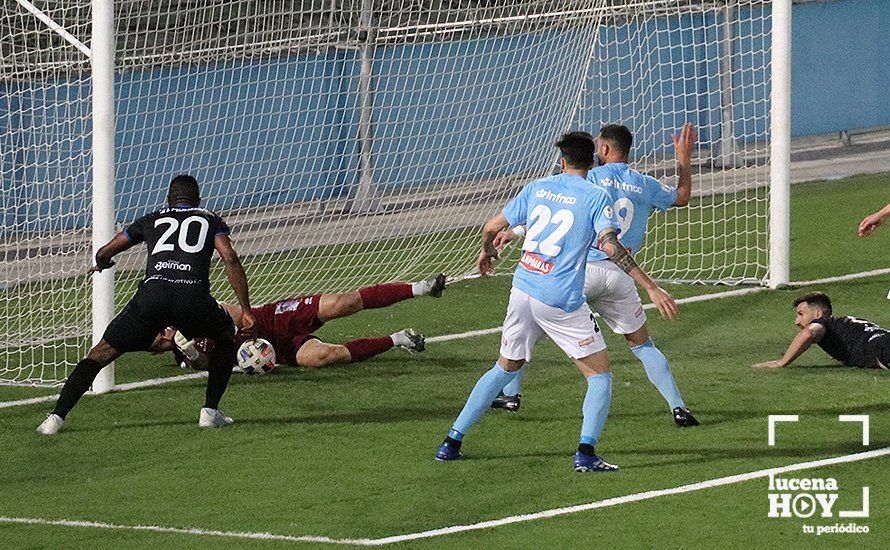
{"x":482,"y":332}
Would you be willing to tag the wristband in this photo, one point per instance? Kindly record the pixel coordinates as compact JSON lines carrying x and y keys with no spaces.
{"x":518,"y":230}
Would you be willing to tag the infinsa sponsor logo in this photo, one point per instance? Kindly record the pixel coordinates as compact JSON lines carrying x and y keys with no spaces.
{"x":609,"y":182}
{"x":535,"y":263}
{"x":548,"y":195}
{"x":177,"y":266}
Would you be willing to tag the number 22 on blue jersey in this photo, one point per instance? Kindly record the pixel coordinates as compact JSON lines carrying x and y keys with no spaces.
{"x":542,"y":217}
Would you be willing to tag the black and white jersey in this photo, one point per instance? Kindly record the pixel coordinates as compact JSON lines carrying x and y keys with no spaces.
{"x":180,"y":243}
{"x":853,"y":341}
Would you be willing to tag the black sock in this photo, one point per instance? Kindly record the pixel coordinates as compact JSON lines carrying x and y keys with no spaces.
{"x":222,"y":358}
{"x":77,"y":384}
{"x":586,"y":449}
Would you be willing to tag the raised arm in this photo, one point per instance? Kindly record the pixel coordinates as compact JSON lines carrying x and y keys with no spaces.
{"x":608,"y":243}
{"x":871,"y":222}
{"x":488,"y":252}
{"x":115,"y":246}
{"x":804,"y":339}
{"x":237,"y":279}
{"x":683,"y":146}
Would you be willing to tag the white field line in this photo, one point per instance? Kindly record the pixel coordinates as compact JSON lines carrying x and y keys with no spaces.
{"x":462,"y":335}
{"x":30,"y":401}
{"x":635,"y":497}
{"x":689,"y":300}
{"x":483,"y":332}
{"x":693,"y":299}
{"x":841,"y":278}
{"x":177,"y":530}
{"x":118,"y":388}
{"x":160,"y":381}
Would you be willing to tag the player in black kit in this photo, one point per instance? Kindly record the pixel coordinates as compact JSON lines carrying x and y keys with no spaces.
{"x":180,"y":240}
{"x":852,"y":341}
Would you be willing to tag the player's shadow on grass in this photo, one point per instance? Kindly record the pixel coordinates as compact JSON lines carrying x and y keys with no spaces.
{"x":833,"y":368}
{"x":368,"y":416}
{"x":710,"y":454}
{"x":675,"y":456}
{"x":723,"y":416}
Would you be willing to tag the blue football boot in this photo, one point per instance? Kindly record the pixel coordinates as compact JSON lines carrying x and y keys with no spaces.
{"x":448,"y":450}
{"x":592,"y":463}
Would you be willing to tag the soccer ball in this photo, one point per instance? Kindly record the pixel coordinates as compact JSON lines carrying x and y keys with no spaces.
{"x":256,"y":356}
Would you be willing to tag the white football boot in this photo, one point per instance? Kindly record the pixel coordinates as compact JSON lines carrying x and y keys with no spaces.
{"x":213,"y":418}
{"x":409,"y":339}
{"x":51,"y":425}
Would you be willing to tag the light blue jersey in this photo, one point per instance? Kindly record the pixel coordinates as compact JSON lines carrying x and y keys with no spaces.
{"x":564,"y":214}
{"x":634,"y":197}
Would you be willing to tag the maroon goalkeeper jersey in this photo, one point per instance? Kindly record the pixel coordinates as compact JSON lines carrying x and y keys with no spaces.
{"x":288,"y":324}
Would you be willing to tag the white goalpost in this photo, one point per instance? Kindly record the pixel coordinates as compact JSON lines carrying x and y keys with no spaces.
{"x":349,"y":142}
{"x":780,"y":147}
{"x":102,"y":64}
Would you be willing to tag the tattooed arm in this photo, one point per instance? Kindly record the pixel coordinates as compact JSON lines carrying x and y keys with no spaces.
{"x":608,"y":243}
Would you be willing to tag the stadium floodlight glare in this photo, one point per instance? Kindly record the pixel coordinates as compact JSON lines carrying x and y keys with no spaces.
{"x":358,"y":141}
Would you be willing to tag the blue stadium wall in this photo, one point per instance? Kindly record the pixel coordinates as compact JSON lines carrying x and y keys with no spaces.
{"x":189,"y":118}
{"x":840,"y":71}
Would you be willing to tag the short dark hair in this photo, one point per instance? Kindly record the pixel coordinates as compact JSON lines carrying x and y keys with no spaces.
{"x":578,"y":149}
{"x":618,"y":136}
{"x":184,"y":188}
{"x":818,"y":299}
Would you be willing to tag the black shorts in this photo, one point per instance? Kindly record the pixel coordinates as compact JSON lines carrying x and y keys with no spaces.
{"x":157,"y":305}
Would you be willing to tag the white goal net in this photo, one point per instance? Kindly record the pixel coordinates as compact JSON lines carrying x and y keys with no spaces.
{"x":349,"y":142}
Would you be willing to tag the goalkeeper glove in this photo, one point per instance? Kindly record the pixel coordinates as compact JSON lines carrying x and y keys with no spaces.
{"x":186,"y":346}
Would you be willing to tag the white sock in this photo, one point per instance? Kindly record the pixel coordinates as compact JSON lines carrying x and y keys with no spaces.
{"x":399,"y":339}
{"x":421,"y":288}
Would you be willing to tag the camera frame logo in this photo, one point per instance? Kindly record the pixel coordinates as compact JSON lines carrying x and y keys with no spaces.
{"x":817,"y":498}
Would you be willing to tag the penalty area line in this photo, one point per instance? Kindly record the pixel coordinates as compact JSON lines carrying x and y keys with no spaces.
{"x":173,"y":530}
{"x":635,"y":497}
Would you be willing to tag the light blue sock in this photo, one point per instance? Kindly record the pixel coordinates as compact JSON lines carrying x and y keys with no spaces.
{"x":596,"y":407}
{"x":515,"y":385}
{"x":480,"y":399}
{"x":659,"y":373}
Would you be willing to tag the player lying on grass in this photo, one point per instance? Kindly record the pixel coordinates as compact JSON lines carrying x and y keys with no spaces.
{"x":852,"y":341}
{"x":608,"y":289}
{"x":565,"y":214}
{"x":288,"y":325}
{"x":180,"y":240}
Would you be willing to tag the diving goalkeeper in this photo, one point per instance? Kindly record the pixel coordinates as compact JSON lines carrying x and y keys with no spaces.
{"x":289,"y":326}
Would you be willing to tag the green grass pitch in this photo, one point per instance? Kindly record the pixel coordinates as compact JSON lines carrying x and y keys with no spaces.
{"x":347,"y":452}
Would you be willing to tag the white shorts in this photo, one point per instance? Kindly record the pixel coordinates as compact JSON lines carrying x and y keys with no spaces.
{"x":611,"y":293}
{"x":576,"y":332}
